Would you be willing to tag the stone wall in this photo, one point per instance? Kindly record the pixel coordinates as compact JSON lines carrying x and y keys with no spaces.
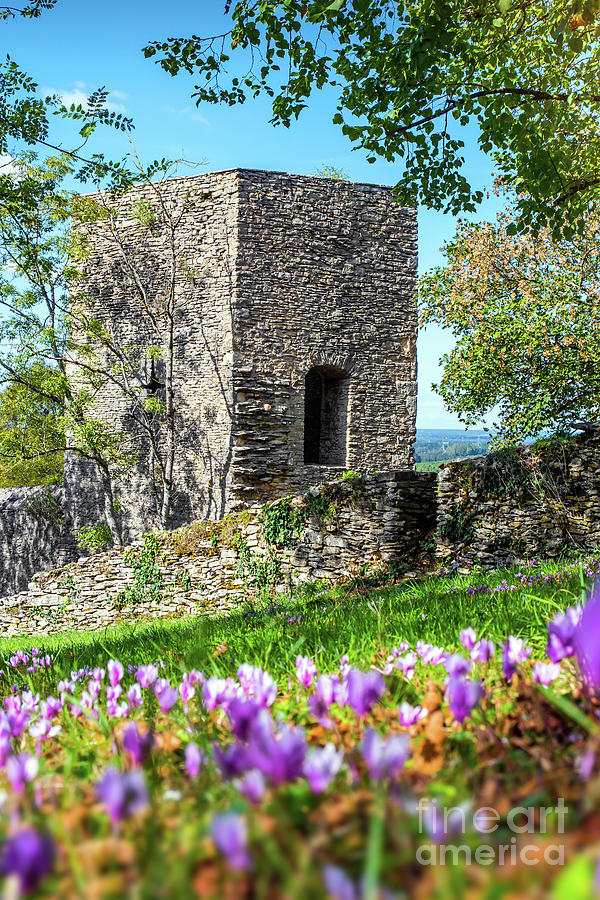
{"x":284,"y":275}
{"x":205,"y":245}
{"x":325,"y":282}
{"x":35,"y":534}
{"x":207,"y":568}
{"x":509,"y":507}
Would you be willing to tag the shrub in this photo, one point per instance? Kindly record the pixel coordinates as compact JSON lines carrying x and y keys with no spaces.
{"x":94,"y":537}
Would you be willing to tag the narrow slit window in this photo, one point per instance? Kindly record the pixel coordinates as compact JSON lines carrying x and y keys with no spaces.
{"x":326,"y":416}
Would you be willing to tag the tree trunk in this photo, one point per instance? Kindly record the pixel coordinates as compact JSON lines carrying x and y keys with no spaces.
{"x":109,"y":503}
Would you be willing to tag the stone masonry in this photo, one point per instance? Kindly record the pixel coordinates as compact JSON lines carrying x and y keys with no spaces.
{"x":207,"y":568}
{"x":36,"y":533}
{"x":295,"y":344}
{"x":514,"y":506}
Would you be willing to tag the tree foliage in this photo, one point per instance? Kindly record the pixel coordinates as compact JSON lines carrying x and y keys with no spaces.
{"x":408,"y":72}
{"x":60,"y":346}
{"x":525,"y":311}
{"x":31,"y":430}
{"x":26,"y":122}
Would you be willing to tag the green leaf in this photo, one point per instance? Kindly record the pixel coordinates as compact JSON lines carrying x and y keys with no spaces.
{"x":568,"y":708}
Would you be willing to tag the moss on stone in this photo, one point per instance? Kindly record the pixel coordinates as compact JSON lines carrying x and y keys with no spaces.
{"x":205,"y":539}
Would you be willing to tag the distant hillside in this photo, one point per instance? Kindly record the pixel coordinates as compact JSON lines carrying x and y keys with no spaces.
{"x":436,"y":445}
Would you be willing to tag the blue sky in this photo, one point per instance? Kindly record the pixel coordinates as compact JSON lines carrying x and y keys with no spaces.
{"x":80,"y":46}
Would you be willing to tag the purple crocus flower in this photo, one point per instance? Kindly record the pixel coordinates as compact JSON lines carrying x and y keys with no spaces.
{"x":242,"y":715}
{"x":134,"y":696}
{"x":137,"y":744}
{"x":456,"y":665}
{"x":186,"y":690}
{"x":29,"y":701}
{"x":340,"y":690}
{"x":257,"y":684}
{"x":123,"y":793}
{"x":194,"y":759}
{"x":20,"y":770}
{"x":384,"y":758}
{"x":42,"y":730}
{"x":364,"y":690}
{"x":515,"y":651}
{"x":430,"y":654}
{"x":410,"y":715}
{"x":165,"y":694}
{"x":325,"y":689}
{"x":545,"y":673}
{"x":322,"y":698}
{"x":29,"y":856}
{"x":196,"y":677}
{"x":219,"y":692}
{"x":230,"y":835}
{"x":468,"y":638}
{"x":406,"y":664}
{"x":232,"y":759}
{"x":246,"y":675}
{"x":146,"y":675}
{"x":345,"y":666}
{"x":306,"y":670}
{"x":483,"y":651}
{"x":115,"y":671}
{"x":321,"y":766}
{"x":50,"y":707}
{"x":586,"y":644}
{"x":560,"y":633}
{"x":462,"y":695}
{"x":279,"y":757}
{"x":320,"y":711}
{"x":338,"y":885}
{"x":94,"y":688}
{"x":252,"y":786}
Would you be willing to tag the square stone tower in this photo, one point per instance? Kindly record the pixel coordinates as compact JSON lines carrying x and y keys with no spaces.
{"x":295,"y":342}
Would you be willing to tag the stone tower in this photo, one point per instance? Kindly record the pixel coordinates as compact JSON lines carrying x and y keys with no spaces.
{"x":295,"y":343}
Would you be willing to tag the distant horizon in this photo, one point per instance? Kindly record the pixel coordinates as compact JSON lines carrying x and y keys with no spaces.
{"x":463,"y":430}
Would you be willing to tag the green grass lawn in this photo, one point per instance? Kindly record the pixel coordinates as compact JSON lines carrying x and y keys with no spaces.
{"x":114,"y":792}
{"x":360,"y":619}
{"x":432,"y":465}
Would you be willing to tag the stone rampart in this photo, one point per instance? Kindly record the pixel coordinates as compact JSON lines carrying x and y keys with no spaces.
{"x":331,"y":532}
{"x":508,"y":507}
{"x":35,"y":534}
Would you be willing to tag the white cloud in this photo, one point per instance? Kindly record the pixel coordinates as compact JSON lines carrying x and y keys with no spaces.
{"x":79,"y":93}
{"x":188,"y":112}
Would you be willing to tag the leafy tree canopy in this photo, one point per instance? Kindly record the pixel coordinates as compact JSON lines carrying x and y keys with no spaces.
{"x":31,"y":428}
{"x":525,"y":311}
{"x":25,"y":122}
{"x":407,"y":72}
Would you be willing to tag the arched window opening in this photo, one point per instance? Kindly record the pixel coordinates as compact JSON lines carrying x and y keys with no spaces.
{"x":325,"y":416}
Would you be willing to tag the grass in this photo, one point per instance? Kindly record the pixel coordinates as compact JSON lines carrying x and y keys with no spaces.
{"x":518,"y":746}
{"x":432,"y":465}
{"x":361,"y":619}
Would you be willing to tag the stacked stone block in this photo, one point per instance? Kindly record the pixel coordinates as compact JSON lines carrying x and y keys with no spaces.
{"x":289,"y":275}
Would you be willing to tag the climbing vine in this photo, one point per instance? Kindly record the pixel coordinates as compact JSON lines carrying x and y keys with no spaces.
{"x":148,"y":581}
{"x":263,"y":571}
{"x":459,"y":525}
{"x":282,"y":523}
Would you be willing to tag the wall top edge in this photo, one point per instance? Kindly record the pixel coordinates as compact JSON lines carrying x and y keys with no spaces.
{"x":274,"y":173}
